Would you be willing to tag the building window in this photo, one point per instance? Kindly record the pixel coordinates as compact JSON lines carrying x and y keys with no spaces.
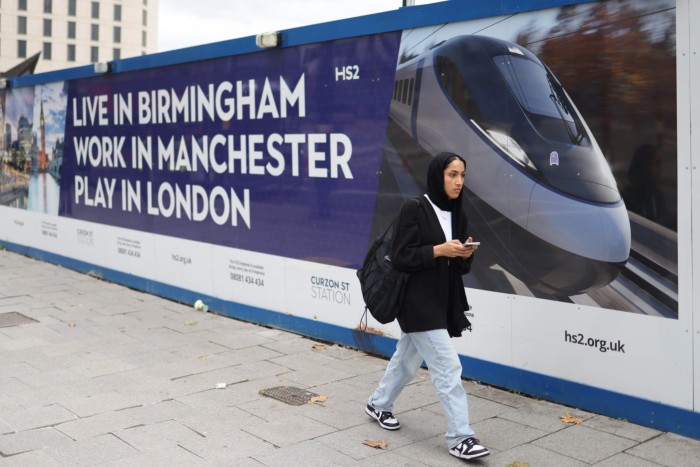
{"x":47,"y":28}
{"x":117,"y":12}
{"x":116,"y":54}
{"x":48,"y":6}
{"x":117,"y":34}
{"x":71,"y":29}
{"x":95,"y":10}
{"x":22,"y":5}
{"x":143,"y":38}
{"x":145,"y":18}
{"x":71,"y":7}
{"x":46,"y":55}
{"x":70,"y":53}
{"x":95,"y":32}
{"x":93,"y":54}
{"x":21,"y":25}
{"x":21,"y":49}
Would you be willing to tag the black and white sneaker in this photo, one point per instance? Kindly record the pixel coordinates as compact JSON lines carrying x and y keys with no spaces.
{"x":386,"y":420}
{"x":469,"y":449}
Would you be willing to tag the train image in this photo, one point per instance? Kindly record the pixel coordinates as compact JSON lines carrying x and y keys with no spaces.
{"x":542,"y":197}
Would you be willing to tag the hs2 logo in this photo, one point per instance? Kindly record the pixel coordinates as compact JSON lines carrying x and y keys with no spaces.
{"x":347,"y":72}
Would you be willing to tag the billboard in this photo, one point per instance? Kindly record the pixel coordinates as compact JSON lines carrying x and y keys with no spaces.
{"x":260,"y":179}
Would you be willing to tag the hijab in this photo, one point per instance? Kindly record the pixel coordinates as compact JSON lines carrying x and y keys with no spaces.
{"x":436,"y":183}
{"x":436,"y":187}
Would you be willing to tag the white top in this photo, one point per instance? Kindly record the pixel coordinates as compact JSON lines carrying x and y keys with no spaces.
{"x":445,"y":218}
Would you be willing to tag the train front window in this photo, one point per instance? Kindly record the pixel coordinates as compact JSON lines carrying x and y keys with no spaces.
{"x":542,"y":97}
{"x":456,"y":87}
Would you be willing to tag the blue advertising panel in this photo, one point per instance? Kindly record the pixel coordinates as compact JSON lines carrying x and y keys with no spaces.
{"x":276,"y":152}
{"x":307,"y":152}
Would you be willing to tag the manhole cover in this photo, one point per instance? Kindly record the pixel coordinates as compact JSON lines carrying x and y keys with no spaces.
{"x":14,"y":319}
{"x":289,"y":394}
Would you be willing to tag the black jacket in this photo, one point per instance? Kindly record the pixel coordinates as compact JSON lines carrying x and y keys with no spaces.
{"x":434,"y":299}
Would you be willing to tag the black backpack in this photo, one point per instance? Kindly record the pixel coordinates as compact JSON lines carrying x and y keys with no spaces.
{"x":382,"y":286}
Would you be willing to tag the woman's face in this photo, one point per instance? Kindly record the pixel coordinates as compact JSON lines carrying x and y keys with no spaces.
{"x":454,"y":178}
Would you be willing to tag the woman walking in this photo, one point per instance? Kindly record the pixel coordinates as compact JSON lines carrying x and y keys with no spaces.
{"x":429,"y":242}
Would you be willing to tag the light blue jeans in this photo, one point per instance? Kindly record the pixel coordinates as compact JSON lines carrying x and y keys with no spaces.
{"x":445,"y":370}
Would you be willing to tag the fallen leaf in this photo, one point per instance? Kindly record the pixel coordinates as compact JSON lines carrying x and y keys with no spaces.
{"x":518,"y":464}
{"x":569,"y":419}
{"x":71,"y":325}
{"x":320,"y":399}
{"x":190,"y":323}
{"x":381,"y":444}
{"x":202,"y":357}
{"x":318,"y":346}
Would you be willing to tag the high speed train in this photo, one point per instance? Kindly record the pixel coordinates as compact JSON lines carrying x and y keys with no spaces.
{"x":544,"y":196}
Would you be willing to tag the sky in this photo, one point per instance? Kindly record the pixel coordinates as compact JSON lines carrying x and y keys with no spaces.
{"x":185,"y":23}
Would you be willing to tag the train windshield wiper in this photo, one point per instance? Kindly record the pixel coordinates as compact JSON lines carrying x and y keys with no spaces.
{"x":560,"y":103}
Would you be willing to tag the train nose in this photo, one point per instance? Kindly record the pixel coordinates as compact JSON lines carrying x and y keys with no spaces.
{"x":598,"y":232}
{"x":589,"y":190}
{"x":581,"y":172}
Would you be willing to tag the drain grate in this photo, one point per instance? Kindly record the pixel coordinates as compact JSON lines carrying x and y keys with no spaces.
{"x":14,"y":319}
{"x":289,"y":394}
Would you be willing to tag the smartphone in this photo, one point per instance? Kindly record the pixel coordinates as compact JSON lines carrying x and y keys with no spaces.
{"x":471,"y":243}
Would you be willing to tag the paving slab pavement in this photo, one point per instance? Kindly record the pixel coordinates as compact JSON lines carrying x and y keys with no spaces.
{"x":110,"y":376}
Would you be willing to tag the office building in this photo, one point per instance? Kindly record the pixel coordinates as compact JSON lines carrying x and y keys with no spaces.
{"x":71,"y":33}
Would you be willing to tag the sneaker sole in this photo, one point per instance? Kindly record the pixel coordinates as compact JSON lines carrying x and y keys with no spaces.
{"x":374,"y":417}
{"x":473,"y":456}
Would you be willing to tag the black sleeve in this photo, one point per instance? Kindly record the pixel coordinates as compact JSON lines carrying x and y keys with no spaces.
{"x":466,"y":264}
{"x":408,"y":253}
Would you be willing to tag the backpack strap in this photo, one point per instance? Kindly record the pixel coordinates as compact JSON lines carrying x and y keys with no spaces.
{"x":363,"y":321}
{"x":411,"y":208}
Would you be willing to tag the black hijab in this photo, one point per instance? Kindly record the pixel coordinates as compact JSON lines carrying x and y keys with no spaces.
{"x":436,"y":187}
{"x":436,"y":183}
